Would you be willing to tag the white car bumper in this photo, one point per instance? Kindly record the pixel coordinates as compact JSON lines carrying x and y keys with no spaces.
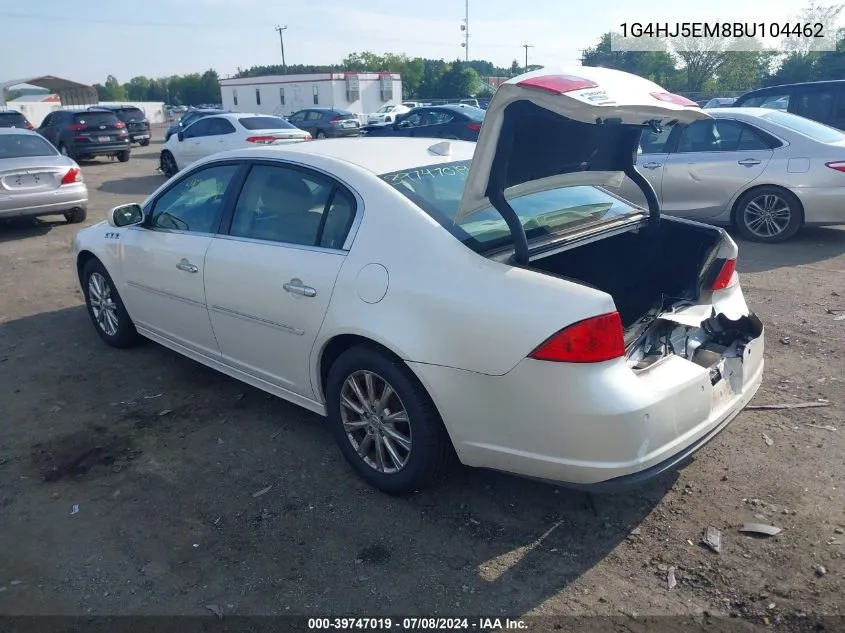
{"x":589,"y":425}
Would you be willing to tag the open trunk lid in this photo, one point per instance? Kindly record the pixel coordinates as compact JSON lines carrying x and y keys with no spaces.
{"x":581,"y":126}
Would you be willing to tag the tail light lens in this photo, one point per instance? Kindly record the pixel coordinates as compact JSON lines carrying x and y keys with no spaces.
{"x":837,"y":165}
{"x":29,"y":126}
{"x":592,"y":340}
{"x":264,"y":140}
{"x":726,"y":277}
{"x":119,"y":125}
{"x":76,"y":127}
{"x":475,"y":127}
{"x":308,"y":137}
{"x":74,"y":174}
{"x":557,"y":84}
{"x":335,"y":119}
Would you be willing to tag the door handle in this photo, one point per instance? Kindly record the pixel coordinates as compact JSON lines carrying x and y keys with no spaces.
{"x":653,"y":165}
{"x":296,"y":287}
{"x":748,"y":162}
{"x":187,"y":266}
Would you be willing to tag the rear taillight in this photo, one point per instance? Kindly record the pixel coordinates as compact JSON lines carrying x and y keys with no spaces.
{"x":120,"y":125}
{"x":727,"y":276}
{"x":29,"y":126}
{"x":76,"y":127}
{"x":475,"y":127}
{"x":308,"y":137}
{"x":73,"y":175}
{"x":335,"y":118}
{"x":557,"y":84}
{"x":837,"y":165}
{"x":264,"y":140}
{"x":592,"y":340}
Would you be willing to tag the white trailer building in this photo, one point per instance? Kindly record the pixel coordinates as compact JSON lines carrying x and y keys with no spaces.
{"x":283,"y":95}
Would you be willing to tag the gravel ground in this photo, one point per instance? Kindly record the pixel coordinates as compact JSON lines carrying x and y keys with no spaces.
{"x":163,"y":458}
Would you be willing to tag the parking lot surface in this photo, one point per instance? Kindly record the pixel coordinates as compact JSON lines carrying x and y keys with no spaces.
{"x":141,"y":482}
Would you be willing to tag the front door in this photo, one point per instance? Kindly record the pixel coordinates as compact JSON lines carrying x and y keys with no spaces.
{"x":268,"y":283}
{"x":163,"y":262}
{"x":713,"y":160}
{"x":196,"y":142}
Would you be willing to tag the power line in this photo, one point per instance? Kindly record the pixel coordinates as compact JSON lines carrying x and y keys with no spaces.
{"x":526,"y":47}
{"x":281,"y":30}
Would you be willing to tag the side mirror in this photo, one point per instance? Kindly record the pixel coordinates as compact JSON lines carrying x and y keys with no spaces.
{"x":180,"y":136}
{"x":126,"y":215}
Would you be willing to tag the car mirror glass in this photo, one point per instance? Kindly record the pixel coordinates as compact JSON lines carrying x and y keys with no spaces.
{"x":126,"y":215}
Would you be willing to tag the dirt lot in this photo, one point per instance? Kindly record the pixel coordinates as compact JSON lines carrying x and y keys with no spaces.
{"x":162,"y":457}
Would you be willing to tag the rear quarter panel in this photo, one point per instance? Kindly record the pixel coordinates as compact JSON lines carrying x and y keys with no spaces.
{"x":444,"y":304}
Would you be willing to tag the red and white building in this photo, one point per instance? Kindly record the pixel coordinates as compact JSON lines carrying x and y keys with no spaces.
{"x":283,"y":95}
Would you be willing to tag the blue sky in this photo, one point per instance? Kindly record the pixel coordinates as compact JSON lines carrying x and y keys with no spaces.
{"x":85,"y":40}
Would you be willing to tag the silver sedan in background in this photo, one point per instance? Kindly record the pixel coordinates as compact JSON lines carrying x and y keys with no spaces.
{"x":36,"y":180}
{"x":765,"y":171}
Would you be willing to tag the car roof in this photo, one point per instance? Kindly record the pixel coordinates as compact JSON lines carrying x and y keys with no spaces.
{"x":379,"y":155}
{"x":800,"y":84}
{"x":18,"y":130}
{"x":115,"y":107}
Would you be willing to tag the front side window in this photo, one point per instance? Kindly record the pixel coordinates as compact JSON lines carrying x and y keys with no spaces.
{"x":439,"y":117}
{"x":218,"y":127}
{"x":414,"y":119}
{"x":282,"y":204}
{"x":437,"y":190}
{"x":314,"y":115}
{"x":196,"y":202}
{"x":202,"y":127}
{"x":719,"y":135}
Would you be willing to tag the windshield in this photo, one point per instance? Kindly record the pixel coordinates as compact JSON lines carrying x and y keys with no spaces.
{"x":12,"y":119}
{"x":815,"y":131}
{"x":387,"y":108}
{"x":24,"y":146}
{"x":266,"y":123}
{"x":437,"y":190}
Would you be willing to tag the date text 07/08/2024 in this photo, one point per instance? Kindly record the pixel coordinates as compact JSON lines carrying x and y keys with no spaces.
{"x":416,"y":624}
{"x":808,"y":30}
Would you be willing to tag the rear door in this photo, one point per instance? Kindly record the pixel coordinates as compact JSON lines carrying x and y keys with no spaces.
{"x":713,"y":160}
{"x":268,"y":283}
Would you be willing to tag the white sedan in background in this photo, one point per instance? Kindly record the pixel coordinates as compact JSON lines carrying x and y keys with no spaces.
{"x":438,"y":298}
{"x":386,"y":114}
{"x":213,"y":134}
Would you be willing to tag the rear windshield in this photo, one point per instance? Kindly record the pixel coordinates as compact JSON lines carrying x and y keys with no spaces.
{"x":95,"y":118}
{"x":437,"y":190}
{"x":24,"y":145}
{"x":266,"y":123}
{"x":807,"y":127}
{"x":476,"y":114}
{"x":342,"y":115}
{"x":12,"y":119}
{"x":131,"y":114}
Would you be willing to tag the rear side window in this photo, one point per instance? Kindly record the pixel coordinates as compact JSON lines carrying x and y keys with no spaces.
{"x":24,"y":145}
{"x":131,"y":114}
{"x":812,"y":129}
{"x":815,"y":104}
{"x":773,"y":100}
{"x":12,"y":119}
{"x":265,"y":123}
{"x":314,"y":115}
{"x":95,"y":118}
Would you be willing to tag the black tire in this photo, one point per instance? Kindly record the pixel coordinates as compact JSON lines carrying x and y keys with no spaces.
{"x":320,"y":134}
{"x":76,"y":216}
{"x":144,"y":143}
{"x":167,"y":164}
{"x":123,"y":156}
{"x":64,"y":150}
{"x":125,"y":335}
{"x":787,"y":218}
{"x":431,"y":453}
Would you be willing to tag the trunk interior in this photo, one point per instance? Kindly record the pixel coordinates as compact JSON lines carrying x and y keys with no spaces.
{"x":644,"y":270}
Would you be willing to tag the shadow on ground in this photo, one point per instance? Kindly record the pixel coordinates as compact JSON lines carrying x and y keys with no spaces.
{"x":139,"y":186}
{"x":22,"y":228}
{"x":193,"y":489}
{"x":811,"y":245}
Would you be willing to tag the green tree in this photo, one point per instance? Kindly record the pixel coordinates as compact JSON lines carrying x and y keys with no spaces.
{"x":459,"y":81}
{"x":113,"y":90}
{"x":136,"y":89}
{"x":516,"y":69}
{"x":658,"y":66}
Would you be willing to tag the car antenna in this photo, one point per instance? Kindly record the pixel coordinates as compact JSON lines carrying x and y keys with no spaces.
{"x":441,"y":149}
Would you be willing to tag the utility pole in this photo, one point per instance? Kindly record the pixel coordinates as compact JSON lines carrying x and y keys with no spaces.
{"x":526,"y":47}
{"x":281,"y":30}
{"x":465,"y":29}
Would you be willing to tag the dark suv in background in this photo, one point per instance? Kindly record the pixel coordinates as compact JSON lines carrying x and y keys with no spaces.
{"x":83,"y":134}
{"x":822,"y":101}
{"x":327,"y":122}
{"x":135,"y":119}
{"x":13,"y":118}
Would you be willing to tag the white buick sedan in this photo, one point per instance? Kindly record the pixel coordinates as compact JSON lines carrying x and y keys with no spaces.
{"x":489,"y":301}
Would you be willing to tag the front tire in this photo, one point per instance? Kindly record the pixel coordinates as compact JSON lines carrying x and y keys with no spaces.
{"x":769,"y":215}
{"x":167,"y":164}
{"x":123,"y":156}
{"x":385,"y":423}
{"x":321,"y":134}
{"x":105,"y":307}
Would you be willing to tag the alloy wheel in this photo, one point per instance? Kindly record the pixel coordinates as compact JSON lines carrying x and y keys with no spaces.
{"x":102,"y":304}
{"x":375,"y":422}
{"x":767,"y":215}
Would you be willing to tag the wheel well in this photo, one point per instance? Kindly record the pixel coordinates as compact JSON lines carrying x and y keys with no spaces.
{"x":81,"y":260}
{"x":755,"y":188}
{"x":339,"y":344}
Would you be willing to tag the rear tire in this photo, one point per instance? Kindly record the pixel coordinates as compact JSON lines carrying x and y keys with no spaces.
{"x":417,"y":451}
{"x":76,"y":216}
{"x":768,"y":214}
{"x":115,"y":328}
{"x":123,"y":156}
{"x":320,"y":134}
{"x":144,"y":143}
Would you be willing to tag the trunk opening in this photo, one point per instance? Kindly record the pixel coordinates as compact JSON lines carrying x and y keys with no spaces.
{"x":645,"y":271}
